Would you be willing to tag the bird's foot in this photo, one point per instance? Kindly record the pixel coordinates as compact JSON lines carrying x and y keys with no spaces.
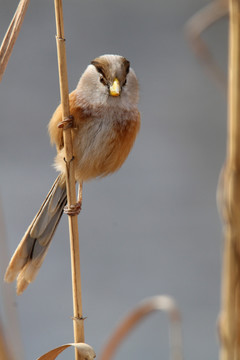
{"x":73,"y":209}
{"x":66,"y":123}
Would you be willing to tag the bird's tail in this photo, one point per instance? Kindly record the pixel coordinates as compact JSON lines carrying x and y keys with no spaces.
{"x":31,"y":251}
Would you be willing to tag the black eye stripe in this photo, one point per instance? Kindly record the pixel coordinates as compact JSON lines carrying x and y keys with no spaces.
{"x":126,"y":64}
{"x":98,"y":67}
{"x":100,"y":71}
{"x":105,"y":74}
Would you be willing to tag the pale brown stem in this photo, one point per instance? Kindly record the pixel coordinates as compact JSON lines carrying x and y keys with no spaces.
{"x":162,"y":303}
{"x":8,"y":299}
{"x":229,"y":191}
{"x":70,"y":181}
{"x":4,"y":352}
{"x":11,"y":35}
{"x":80,"y":188}
{"x":194,"y":28}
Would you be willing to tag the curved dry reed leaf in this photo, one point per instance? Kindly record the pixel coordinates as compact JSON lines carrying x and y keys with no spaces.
{"x":194,"y":28}
{"x":146,"y":307}
{"x":86,"y":352}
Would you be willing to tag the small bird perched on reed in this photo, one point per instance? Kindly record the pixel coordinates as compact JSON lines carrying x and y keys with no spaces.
{"x":105,"y":122}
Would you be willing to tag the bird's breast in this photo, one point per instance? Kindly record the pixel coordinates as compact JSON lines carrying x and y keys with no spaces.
{"x":101,"y":144}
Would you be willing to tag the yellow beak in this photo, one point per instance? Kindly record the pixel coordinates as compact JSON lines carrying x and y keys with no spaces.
{"x":115,"y":88}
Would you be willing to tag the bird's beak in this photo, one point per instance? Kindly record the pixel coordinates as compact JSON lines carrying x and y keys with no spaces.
{"x":115,"y":88}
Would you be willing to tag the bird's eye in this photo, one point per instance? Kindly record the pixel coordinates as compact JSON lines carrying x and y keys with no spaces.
{"x":102,"y":80}
{"x":124,"y":83}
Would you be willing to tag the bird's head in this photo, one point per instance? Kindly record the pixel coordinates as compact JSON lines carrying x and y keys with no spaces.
{"x":109,"y":80}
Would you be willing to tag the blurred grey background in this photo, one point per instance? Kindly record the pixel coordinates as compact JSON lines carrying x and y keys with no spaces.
{"x":152,"y":228}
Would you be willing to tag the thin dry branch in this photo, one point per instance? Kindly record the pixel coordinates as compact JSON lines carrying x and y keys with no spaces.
{"x":11,"y":35}
{"x":156,"y":303}
{"x":70,"y":180}
{"x":4,"y":351}
{"x":194,"y":28}
{"x":8,"y":297}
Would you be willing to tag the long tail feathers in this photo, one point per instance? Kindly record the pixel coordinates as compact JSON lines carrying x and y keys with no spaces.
{"x":31,"y":251}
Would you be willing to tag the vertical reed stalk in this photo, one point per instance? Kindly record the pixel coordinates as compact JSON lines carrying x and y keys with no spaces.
{"x":4,"y":352}
{"x":230,"y":194}
{"x":70,"y":181}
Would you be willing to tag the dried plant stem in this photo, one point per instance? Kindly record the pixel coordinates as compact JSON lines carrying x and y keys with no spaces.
{"x":162,"y":303}
{"x":230,"y":195}
{"x":11,"y":35}
{"x":8,"y":298}
{"x":194,"y":28}
{"x":70,"y":181}
{"x":4,"y":352}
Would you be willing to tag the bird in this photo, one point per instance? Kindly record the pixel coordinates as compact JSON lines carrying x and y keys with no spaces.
{"x":104,"y":121}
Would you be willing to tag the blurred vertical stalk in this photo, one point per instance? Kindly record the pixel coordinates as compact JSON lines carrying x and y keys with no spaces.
{"x":4,"y":352}
{"x":12,"y":331}
{"x":229,"y":196}
{"x":70,"y":181}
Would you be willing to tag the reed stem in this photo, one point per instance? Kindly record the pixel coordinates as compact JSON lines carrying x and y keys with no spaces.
{"x":78,"y":324}
{"x":230,"y":194}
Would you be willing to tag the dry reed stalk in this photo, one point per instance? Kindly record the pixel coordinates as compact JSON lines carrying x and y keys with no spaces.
{"x":4,"y":352}
{"x":78,"y":324}
{"x":146,"y":307}
{"x":194,"y":28}
{"x":8,"y":298}
{"x":229,"y":194}
{"x":11,"y":35}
